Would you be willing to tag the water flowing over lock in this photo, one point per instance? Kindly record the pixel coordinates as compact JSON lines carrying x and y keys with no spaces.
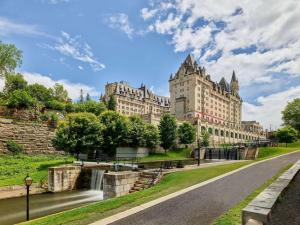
{"x":97,"y":180}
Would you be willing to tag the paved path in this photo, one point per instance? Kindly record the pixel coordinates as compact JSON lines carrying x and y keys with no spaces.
{"x":203,"y":205}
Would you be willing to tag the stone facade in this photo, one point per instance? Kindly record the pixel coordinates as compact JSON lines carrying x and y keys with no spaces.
{"x":63,"y":178}
{"x":215,"y":107}
{"x":117,"y":184}
{"x":36,"y":138}
{"x":211,"y":106}
{"x":137,"y":101}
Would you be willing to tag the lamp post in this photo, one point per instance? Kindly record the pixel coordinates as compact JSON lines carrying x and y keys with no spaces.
{"x":27,"y":181}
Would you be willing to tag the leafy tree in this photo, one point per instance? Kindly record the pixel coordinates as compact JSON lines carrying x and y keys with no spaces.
{"x":168,"y":131}
{"x":286,"y":135}
{"x":151,"y":136}
{"x":20,"y":99}
{"x":92,"y":106}
{"x":59,"y":92}
{"x":136,"y":132}
{"x":112,"y":103}
{"x":204,"y":142}
{"x":81,"y":100}
{"x":186,"y":133}
{"x":79,"y":133}
{"x":115,"y":130}
{"x":14,"y":82}
{"x":291,"y":114}
{"x":88,"y":97}
{"x":55,"y":105}
{"x":10,"y":58}
{"x":40,"y":92}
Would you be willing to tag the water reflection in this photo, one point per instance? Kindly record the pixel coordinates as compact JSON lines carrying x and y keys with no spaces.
{"x":14,"y":210}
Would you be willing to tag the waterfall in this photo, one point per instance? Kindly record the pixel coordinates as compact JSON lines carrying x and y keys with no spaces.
{"x":96,"y":179}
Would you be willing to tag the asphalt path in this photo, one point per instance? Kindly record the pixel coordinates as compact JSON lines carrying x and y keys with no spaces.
{"x":203,"y":205}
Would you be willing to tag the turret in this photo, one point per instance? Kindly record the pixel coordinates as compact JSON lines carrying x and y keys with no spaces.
{"x":234,"y":84}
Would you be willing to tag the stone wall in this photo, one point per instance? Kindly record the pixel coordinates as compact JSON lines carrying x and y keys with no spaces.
{"x":36,"y":138}
{"x":63,"y":178}
{"x":117,"y":184}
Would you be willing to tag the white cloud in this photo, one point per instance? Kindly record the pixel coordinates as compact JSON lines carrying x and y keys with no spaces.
{"x":54,"y":2}
{"x":80,"y":68}
{"x":77,"y":49}
{"x":8,"y":26}
{"x":258,"y":39}
{"x":268,"y":110}
{"x":72,"y":88}
{"x":121,"y":22}
{"x":147,"y":14}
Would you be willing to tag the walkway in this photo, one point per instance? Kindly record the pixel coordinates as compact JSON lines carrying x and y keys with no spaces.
{"x":203,"y":205}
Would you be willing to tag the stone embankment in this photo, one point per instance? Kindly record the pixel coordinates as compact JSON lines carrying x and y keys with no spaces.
{"x":36,"y":138}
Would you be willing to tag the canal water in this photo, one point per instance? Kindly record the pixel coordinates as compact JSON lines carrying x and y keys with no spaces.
{"x":13,"y":210}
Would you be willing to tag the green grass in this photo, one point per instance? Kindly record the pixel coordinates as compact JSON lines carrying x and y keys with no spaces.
{"x":169,"y":184}
{"x":13,"y":168}
{"x":177,"y":154}
{"x":267,"y":152}
{"x":233,"y":216}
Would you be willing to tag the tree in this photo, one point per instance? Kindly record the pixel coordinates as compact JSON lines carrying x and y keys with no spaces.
{"x":10,"y":58}
{"x":90,"y":106}
{"x":186,"y":133}
{"x":151,"y":136}
{"x":40,"y":92}
{"x":81,"y":99}
{"x":79,"y":133}
{"x":286,"y":135}
{"x":59,"y":93}
{"x":88,"y":97}
{"x":136,"y":131}
{"x":112,"y":103}
{"x":115,"y":130}
{"x":291,"y":114}
{"x":204,"y":142}
{"x":168,"y":131}
{"x":14,"y":82}
{"x":20,"y":99}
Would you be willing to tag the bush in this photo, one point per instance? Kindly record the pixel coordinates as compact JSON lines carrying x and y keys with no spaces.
{"x":20,"y":99}
{"x":14,"y":82}
{"x":40,"y":92}
{"x":14,"y":147}
{"x":56,"y":105}
{"x":51,"y":118}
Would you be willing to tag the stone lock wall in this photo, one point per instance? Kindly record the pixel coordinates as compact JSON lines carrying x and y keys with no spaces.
{"x":36,"y":138}
{"x":117,"y":184}
{"x":63,"y":178}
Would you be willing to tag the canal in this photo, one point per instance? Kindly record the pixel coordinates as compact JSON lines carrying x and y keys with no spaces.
{"x":13,"y":210}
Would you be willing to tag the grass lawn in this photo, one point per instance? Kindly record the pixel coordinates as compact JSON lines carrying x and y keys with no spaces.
{"x":13,"y":169}
{"x":169,"y":184}
{"x":266,"y":152}
{"x":178,"y":154}
{"x":234,"y":215}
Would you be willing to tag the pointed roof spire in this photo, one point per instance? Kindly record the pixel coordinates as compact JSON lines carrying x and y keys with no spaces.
{"x":189,"y":59}
{"x":171,"y":76}
{"x":233,"y":78}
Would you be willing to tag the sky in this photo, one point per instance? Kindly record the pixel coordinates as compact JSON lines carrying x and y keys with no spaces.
{"x":84,"y":44}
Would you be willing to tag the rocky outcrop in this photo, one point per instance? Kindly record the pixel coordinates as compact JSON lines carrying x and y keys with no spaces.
{"x":36,"y":138}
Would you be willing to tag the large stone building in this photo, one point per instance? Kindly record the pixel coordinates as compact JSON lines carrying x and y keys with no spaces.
{"x":137,"y":101}
{"x":211,"y":106}
{"x":215,"y":107}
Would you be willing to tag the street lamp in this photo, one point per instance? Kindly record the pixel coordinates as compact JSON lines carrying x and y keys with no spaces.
{"x":27,"y":181}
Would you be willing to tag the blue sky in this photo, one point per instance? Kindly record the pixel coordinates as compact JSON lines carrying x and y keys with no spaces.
{"x":84,"y":44}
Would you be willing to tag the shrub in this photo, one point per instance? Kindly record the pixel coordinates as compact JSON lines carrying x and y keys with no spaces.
{"x":56,"y":105}
{"x":14,"y":82}
{"x":20,"y":99}
{"x":14,"y":147}
{"x":40,"y":92}
{"x":51,"y":118}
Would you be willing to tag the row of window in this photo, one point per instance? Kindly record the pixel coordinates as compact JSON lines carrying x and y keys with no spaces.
{"x":223,"y":133}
